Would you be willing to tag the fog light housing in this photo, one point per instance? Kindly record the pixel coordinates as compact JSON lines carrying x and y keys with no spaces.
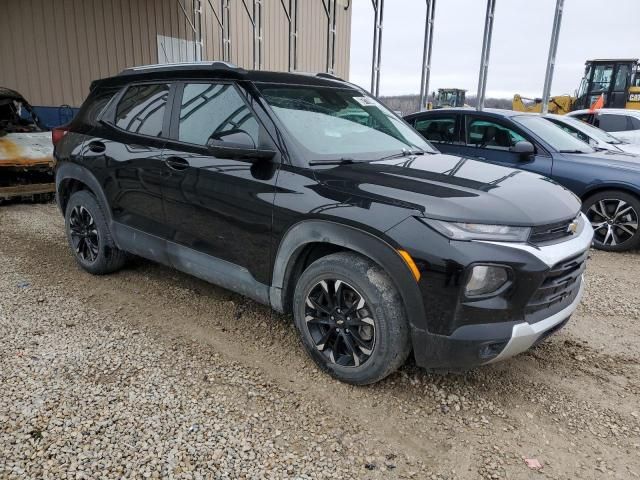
{"x":486,"y":279}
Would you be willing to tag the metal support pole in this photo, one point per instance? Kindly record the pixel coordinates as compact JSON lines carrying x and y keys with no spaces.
{"x":255,"y":17}
{"x":551,"y":61}
{"x":426,"y":53}
{"x":378,"y":11}
{"x":226,"y":34}
{"x":486,"y":49}
{"x":292,"y":18}
{"x":257,"y":20}
{"x":293,"y":35}
{"x":192,"y":23}
{"x":330,"y":12}
{"x":197,"y":14}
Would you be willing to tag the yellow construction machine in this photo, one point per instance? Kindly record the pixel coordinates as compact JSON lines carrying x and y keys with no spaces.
{"x":448,"y":97}
{"x":616,"y":80}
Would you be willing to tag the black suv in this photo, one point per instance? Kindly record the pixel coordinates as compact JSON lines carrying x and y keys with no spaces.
{"x":306,"y":194}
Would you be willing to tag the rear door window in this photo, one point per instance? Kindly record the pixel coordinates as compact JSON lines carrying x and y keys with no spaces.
{"x":613,"y":123}
{"x":486,"y":133}
{"x":584,"y":117}
{"x":141,"y":109}
{"x":438,"y":129}
{"x":209,"y":109}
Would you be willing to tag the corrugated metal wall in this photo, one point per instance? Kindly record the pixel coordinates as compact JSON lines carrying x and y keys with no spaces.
{"x":312,"y":35}
{"x":51,"y":50}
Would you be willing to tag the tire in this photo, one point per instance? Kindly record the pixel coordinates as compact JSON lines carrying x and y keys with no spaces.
{"x":373,"y":340}
{"x":89,"y":236}
{"x":614,"y":216}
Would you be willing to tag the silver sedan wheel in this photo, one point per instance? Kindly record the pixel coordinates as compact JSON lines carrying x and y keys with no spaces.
{"x":614,"y":221}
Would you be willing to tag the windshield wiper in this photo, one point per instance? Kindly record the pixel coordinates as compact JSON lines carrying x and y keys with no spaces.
{"x":335,"y":161}
{"x":403,"y":153}
{"x":572,"y":151}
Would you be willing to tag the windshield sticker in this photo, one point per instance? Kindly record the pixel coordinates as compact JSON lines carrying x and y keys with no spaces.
{"x":365,"y":101}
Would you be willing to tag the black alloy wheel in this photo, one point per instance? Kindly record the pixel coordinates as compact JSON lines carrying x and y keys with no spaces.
{"x":339,"y":322}
{"x":84,"y":234}
{"x":351,"y":318}
{"x":89,"y":236}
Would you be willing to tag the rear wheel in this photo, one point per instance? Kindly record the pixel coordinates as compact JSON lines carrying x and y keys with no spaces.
{"x":614,"y":217}
{"x":89,"y":236}
{"x":351,"y":318}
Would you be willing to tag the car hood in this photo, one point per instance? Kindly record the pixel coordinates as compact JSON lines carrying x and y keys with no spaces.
{"x":629,"y":148}
{"x":456,"y":188}
{"x":25,"y":149}
{"x":619,"y":160}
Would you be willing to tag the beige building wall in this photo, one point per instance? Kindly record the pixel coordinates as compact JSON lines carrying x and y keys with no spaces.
{"x":51,"y":50}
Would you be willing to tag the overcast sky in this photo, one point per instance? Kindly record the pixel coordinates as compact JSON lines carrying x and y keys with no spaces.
{"x":519,"y":49}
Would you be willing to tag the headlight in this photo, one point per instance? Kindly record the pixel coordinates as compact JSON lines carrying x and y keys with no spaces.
{"x":485,"y":279}
{"x":479,"y":231}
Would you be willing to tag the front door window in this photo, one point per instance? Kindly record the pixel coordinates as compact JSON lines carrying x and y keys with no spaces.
{"x":485,"y":133}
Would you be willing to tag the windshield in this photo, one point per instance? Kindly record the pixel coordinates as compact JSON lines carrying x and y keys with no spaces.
{"x":15,"y":117}
{"x":551,"y":134}
{"x":590,"y":130}
{"x":335,"y":123}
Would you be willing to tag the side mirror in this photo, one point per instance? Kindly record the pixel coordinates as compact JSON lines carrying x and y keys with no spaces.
{"x":236,"y":144}
{"x":524,"y":149}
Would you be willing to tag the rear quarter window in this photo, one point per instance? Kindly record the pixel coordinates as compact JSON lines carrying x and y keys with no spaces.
{"x":94,"y":105}
{"x":141,"y":109}
{"x":613,"y":123}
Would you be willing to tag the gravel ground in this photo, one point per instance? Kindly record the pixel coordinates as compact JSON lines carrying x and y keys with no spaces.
{"x":151,"y":373}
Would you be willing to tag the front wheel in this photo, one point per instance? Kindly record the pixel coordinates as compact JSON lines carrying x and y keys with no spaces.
{"x":614,"y":217}
{"x":351,"y":318}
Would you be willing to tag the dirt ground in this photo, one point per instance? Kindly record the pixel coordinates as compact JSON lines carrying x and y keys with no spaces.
{"x":150,"y":372}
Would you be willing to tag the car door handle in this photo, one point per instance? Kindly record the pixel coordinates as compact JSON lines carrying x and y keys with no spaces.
{"x":176,"y":163}
{"x":97,"y":147}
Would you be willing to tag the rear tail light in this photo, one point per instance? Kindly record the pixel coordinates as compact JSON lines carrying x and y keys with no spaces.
{"x":58,"y":134}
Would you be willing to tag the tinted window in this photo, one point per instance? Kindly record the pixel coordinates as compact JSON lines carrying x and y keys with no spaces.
{"x":585,"y":117}
{"x":488,"y":134}
{"x":141,"y":109}
{"x":570,"y":130}
{"x":621,"y":77}
{"x":613,"y":123}
{"x":213,"y":108}
{"x":635,"y":123}
{"x":438,"y":129}
{"x":555,"y":137}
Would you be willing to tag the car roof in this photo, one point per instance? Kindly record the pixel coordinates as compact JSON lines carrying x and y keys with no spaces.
{"x":8,"y":93}
{"x":617,"y":111}
{"x":220,"y":70}
{"x":497,"y":112}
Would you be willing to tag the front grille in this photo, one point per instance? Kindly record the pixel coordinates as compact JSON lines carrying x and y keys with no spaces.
{"x":550,"y":232}
{"x":559,"y":284}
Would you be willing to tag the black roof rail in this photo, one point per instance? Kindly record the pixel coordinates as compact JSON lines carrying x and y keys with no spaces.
{"x":329,"y":75}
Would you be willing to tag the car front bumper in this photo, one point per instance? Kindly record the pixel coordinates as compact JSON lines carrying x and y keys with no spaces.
{"x":525,"y":335}
{"x":495,"y":329}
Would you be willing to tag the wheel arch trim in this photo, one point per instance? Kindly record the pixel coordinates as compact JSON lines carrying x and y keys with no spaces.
{"x":378,"y":250}
{"x":73,"y":171}
{"x":624,"y":187}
